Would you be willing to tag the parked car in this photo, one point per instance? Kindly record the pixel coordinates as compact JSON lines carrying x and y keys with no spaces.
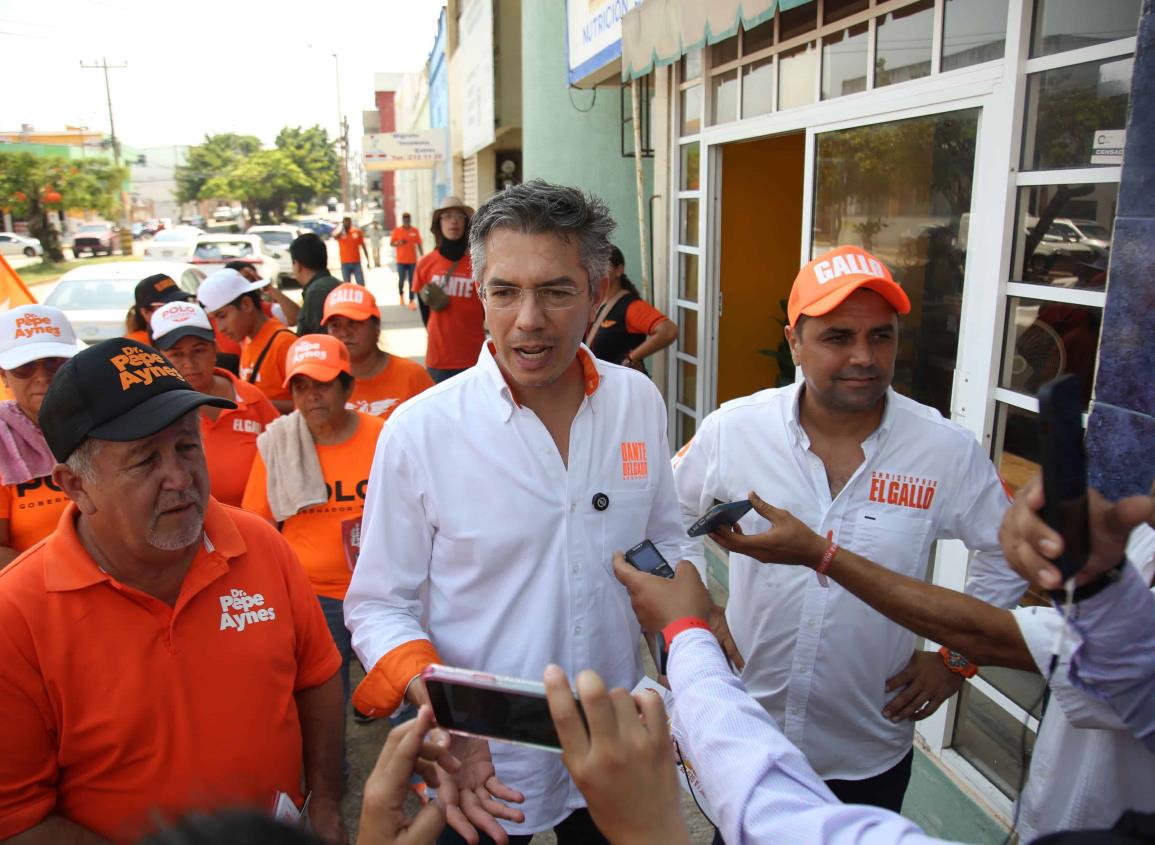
{"x":323,"y":228}
{"x":13,"y":244}
{"x":95,"y":238}
{"x":211,"y":252}
{"x":197,"y":220}
{"x":96,"y":298}
{"x":225,"y":213}
{"x":1082,"y":231}
{"x":277,"y":240}
{"x":172,"y":244}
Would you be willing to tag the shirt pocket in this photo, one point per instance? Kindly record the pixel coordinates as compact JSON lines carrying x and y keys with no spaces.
{"x":894,"y":540}
{"x":622,"y":525}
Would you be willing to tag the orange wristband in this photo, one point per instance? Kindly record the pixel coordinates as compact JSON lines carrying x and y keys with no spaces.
{"x":684,"y":624}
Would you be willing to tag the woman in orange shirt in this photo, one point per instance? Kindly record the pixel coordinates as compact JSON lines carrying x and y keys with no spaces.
{"x":318,"y":501}
{"x":626,"y":329}
{"x":35,"y":340}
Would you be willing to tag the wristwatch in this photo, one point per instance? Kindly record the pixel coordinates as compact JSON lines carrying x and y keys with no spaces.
{"x":957,"y":663}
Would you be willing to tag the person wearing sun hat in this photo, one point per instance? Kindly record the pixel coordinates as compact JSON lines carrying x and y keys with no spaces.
{"x":162,"y":653}
{"x":311,"y":473}
{"x":455,"y":318}
{"x":35,"y":341}
{"x":184,"y":333}
{"x":383,"y":381}
{"x":861,"y":466}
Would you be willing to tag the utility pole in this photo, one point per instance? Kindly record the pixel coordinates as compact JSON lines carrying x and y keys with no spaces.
{"x":105,"y":66}
{"x":343,"y":135}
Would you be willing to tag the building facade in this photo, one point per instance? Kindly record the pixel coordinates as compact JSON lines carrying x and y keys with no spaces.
{"x":973,"y":145}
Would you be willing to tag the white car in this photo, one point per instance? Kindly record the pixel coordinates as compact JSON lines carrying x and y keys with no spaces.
{"x":277,"y":240}
{"x":212,"y":252}
{"x":172,"y":244}
{"x":13,"y":244}
{"x":96,"y":298}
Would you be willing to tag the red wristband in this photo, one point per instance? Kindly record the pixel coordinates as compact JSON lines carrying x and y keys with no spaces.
{"x":684,"y":624}
{"x":827,"y":559}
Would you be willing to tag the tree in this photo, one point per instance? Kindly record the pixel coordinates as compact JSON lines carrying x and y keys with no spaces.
{"x":215,"y":157}
{"x":264,"y":181}
{"x":33,"y":187}
{"x":312,"y":151}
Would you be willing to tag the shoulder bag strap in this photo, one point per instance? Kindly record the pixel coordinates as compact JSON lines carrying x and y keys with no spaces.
{"x":252,"y":379}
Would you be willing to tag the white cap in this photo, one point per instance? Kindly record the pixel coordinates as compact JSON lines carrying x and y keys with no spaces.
{"x":179,"y":319}
{"x":32,"y":332}
{"x":223,"y":286}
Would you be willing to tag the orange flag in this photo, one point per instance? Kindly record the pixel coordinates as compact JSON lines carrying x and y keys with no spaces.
{"x":13,"y":291}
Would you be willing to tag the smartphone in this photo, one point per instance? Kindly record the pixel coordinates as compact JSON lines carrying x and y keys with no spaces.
{"x":1064,"y":465}
{"x":491,"y":706}
{"x":646,"y":557}
{"x":725,"y":514}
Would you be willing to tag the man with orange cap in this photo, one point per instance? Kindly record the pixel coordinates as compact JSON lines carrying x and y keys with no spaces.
{"x":383,"y":381}
{"x":865,"y":468}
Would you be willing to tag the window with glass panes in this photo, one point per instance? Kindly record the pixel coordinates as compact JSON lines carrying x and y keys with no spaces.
{"x":831,"y":48}
{"x":1078,"y":82}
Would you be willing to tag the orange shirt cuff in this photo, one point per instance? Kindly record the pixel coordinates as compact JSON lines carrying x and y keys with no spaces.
{"x":384,"y":687}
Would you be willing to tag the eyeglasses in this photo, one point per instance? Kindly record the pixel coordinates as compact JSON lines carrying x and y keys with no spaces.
{"x":48,"y":365}
{"x":454,"y":215}
{"x":551,"y":298}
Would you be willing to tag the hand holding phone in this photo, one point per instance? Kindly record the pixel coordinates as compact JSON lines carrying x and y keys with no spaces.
{"x":1064,"y":466}
{"x":646,"y":558}
{"x":727,"y":513}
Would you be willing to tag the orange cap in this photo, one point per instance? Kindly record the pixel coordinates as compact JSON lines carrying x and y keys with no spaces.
{"x":823,"y":284}
{"x":317,"y":356}
{"x":352,"y":301}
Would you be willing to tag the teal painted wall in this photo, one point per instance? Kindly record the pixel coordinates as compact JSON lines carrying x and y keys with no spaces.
{"x":561,"y":144}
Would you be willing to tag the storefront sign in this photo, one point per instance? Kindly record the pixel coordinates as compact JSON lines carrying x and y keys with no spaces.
{"x":475,"y":69}
{"x":594,"y":34}
{"x":1108,"y":146}
{"x":404,"y":150}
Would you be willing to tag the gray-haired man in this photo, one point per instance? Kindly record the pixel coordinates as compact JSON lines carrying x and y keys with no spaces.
{"x":496,"y":502}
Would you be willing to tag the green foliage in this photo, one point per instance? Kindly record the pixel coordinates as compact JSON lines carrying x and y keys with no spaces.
{"x":214,"y":158}
{"x":28,"y":181}
{"x":316,"y":155}
{"x":302,"y":167}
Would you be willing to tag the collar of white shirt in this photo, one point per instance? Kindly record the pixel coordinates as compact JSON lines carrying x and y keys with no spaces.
{"x":802,"y":439}
{"x":502,"y":394}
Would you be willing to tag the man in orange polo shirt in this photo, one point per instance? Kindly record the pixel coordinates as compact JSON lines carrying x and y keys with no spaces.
{"x":182,"y":331}
{"x":351,"y":244}
{"x":406,"y":242}
{"x":383,"y":381}
{"x":162,"y":653}
{"x":234,"y":303}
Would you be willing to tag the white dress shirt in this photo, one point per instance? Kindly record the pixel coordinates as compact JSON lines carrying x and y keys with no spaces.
{"x":759,"y":786}
{"x":817,"y":657}
{"x":478,"y":537}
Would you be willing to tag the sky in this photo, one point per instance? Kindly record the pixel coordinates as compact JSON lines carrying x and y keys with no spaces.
{"x":245,"y":66}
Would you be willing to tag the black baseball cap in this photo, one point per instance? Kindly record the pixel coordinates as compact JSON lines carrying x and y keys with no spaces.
{"x":117,"y":390}
{"x":159,"y":288}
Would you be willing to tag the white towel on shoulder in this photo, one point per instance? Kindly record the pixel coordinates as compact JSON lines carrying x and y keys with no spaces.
{"x":294,"y":473}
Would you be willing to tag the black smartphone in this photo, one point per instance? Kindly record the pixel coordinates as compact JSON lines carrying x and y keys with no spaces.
{"x":719,"y":515}
{"x":1064,"y":465}
{"x":646,"y":557}
{"x":491,"y":706}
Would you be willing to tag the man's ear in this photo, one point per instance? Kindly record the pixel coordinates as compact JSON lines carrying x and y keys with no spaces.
{"x":792,"y":339}
{"x":599,"y":294}
{"x":74,"y":488}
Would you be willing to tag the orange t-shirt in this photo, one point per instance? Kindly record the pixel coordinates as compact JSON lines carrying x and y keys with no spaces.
{"x":641,"y":317}
{"x":406,"y":240}
{"x":349,"y":245}
{"x":380,"y":395}
{"x":139,"y":336}
{"x":315,"y":532}
{"x":456,"y":333}
{"x":230,"y":441}
{"x":271,"y":376}
{"x":32,"y":510}
{"x":146,"y":712}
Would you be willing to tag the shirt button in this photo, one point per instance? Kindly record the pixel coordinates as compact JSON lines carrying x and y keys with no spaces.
{"x":576,"y":568}
{"x":572,"y":507}
{"x":578,"y":629}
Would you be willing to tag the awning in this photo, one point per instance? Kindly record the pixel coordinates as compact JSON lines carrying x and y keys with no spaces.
{"x":659,"y":32}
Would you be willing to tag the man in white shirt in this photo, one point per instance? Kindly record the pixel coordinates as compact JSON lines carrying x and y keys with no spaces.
{"x":496,"y":502}
{"x":867,"y":469}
